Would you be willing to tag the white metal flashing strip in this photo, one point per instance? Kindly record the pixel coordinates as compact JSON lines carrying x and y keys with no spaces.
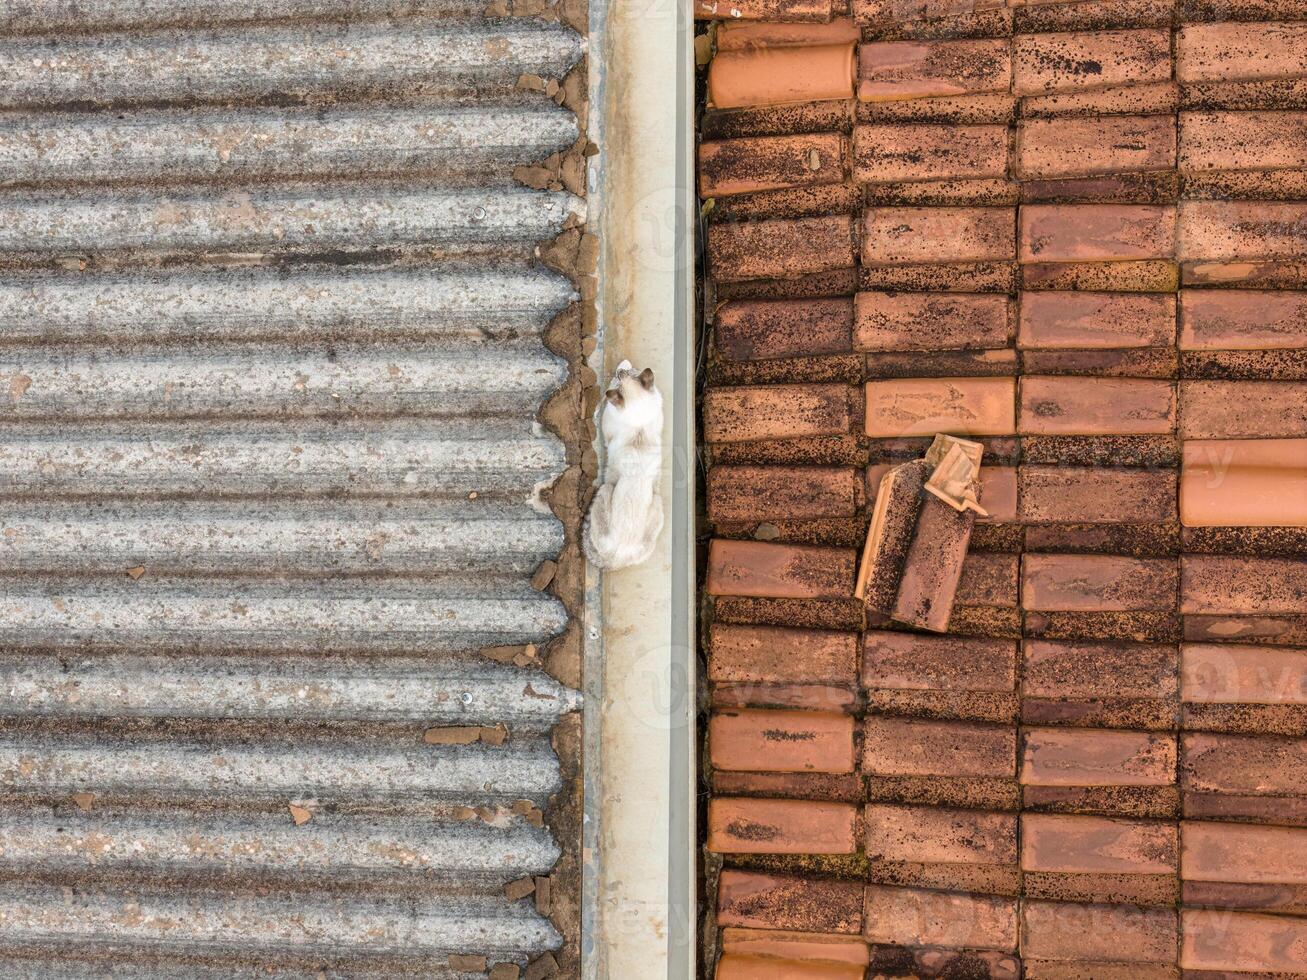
{"x":640,"y":871}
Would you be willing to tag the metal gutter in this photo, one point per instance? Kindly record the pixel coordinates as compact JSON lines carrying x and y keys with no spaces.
{"x":640,"y":874}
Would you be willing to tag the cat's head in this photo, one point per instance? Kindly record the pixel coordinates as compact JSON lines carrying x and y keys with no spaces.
{"x":634,"y":395}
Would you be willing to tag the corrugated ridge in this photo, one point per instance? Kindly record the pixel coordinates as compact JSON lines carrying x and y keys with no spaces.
{"x":442,"y":692}
{"x":259,"y":143}
{"x":383,"y":458}
{"x":417,"y":930}
{"x":271,"y":344}
{"x":292,"y":615}
{"x":326,"y":218}
{"x":279,"y":381}
{"x":473,"y":306}
{"x":43,"y":16}
{"x":451,"y":856}
{"x":522,"y":768}
{"x":383,"y":61}
{"x":285,"y":538}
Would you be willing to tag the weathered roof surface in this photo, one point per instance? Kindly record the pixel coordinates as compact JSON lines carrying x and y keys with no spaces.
{"x":271,"y":341}
{"x":1074,"y":232}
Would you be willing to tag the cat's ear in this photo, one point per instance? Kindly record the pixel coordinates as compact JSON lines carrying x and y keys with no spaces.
{"x":614,"y":395}
{"x":646,"y":378}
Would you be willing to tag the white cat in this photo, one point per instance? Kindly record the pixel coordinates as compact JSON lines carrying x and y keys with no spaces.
{"x":627,"y":512}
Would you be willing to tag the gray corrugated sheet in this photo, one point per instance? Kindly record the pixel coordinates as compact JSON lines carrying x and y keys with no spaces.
{"x":271,"y":330}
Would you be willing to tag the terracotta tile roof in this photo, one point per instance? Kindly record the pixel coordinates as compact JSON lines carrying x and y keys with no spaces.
{"x":1075,"y":233}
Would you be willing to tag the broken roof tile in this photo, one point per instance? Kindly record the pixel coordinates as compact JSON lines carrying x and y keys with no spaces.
{"x":754,"y":740}
{"x":746,"y":413}
{"x":1240,"y":51}
{"x":925,"y":406}
{"x":918,"y":917}
{"x":1090,"y":145}
{"x":780,"y":248}
{"x":998,"y":491}
{"x":781,"y":75}
{"x":930,"y":321}
{"x":1076,"y":844}
{"x":1244,"y":483}
{"x":783,"y":901}
{"x":737,"y":825}
{"x":1045,"y":63}
{"x":1089,"y":583}
{"x":921,"y":747}
{"x":757,"y":329}
{"x":888,"y":152}
{"x":893,"y":523}
{"x":1097,"y":757}
{"x":915,"y":662}
{"x":1096,"y":406}
{"x":912,"y":236}
{"x":1079,"y":320}
{"x":1096,"y":495}
{"x":765,"y":163}
{"x":932,"y":570}
{"x":896,"y":70}
{"x":1096,"y":232}
{"x":935,"y":835}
